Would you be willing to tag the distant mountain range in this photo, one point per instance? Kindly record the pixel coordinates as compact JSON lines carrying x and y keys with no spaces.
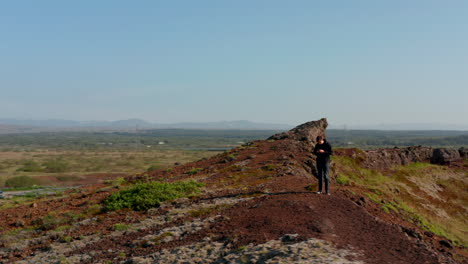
{"x":21,"y":125}
{"x":135,"y":124}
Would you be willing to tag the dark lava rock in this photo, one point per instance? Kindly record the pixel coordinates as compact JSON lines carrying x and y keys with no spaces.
{"x":428,"y":234}
{"x":412,"y":233}
{"x":463,"y":152}
{"x":387,"y":158}
{"x":443,"y":156}
{"x":446,"y":244}
{"x":289,"y":238}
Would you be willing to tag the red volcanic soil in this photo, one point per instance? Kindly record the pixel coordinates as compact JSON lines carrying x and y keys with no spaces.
{"x":333,"y":218}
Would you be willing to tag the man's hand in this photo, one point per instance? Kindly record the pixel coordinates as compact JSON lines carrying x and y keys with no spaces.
{"x":321,"y":151}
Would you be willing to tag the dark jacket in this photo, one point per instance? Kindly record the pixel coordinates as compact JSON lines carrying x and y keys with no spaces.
{"x":325,"y":156}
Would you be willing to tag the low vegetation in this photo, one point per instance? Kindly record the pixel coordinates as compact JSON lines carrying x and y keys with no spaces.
{"x":21,"y":181}
{"x":193,"y":171}
{"x":430,"y":196}
{"x":143,"y":196}
{"x":39,"y":164}
{"x":120,"y":227}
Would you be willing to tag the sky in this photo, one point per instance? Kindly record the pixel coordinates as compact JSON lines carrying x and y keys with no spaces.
{"x":353,"y":62}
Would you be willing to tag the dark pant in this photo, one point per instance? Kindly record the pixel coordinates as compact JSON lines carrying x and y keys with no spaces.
{"x":322,"y":169}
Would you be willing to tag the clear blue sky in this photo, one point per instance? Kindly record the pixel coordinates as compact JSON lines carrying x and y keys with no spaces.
{"x":354,"y":62}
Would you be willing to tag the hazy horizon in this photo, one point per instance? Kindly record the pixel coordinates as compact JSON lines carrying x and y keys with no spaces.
{"x":358,"y":63}
{"x":332,"y":125}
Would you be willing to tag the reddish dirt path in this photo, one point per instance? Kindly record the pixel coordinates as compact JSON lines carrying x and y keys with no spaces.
{"x":333,"y":218}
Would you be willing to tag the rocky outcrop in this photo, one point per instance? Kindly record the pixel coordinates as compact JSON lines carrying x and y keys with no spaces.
{"x":463,"y":152}
{"x":444,"y":156}
{"x":386,"y":158}
{"x":307,"y":132}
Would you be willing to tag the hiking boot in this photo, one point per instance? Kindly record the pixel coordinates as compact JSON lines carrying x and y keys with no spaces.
{"x":319,"y":192}
{"x":328,"y":193}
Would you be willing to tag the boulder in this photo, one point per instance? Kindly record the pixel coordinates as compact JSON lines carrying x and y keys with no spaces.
{"x":463,"y":152}
{"x":444,"y":156}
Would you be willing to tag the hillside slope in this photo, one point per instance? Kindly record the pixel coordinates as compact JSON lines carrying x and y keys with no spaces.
{"x":256,"y":206}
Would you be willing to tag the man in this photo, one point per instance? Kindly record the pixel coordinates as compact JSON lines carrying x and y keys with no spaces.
{"x":323,"y":150}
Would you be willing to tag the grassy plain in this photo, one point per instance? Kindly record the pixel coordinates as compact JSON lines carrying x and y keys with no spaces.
{"x":58,"y":158}
{"x":71,"y":164}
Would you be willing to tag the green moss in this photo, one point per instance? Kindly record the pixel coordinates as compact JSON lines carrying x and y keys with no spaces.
{"x":193,"y":171}
{"x":373,"y":197}
{"x":342,"y":180}
{"x":120,"y":227}
{"x":241,"y":248}
{"x":389,"y":206}
{"x":63,"y":228}
{"x":66,"y":239}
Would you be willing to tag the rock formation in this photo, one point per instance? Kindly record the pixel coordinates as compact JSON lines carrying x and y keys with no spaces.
{"x":307,"y":132}
{"x":386,"y":158}
{"x":444,"y":156}
{"x":463,"y":152}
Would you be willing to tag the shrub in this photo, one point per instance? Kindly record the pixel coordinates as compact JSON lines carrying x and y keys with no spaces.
{"x":231,"y":157}
{"x":66,"y":239}
{"x":93,"y":210}
{"x":55,"y":165}
{"x":116,"y":182}
{"x":193,"y":171}
{"x":30,"y":166}
{"x":143,"y":196}
{"x":153,"y":167}
{"x":49,"y":221}
{"x":21,"y":181}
